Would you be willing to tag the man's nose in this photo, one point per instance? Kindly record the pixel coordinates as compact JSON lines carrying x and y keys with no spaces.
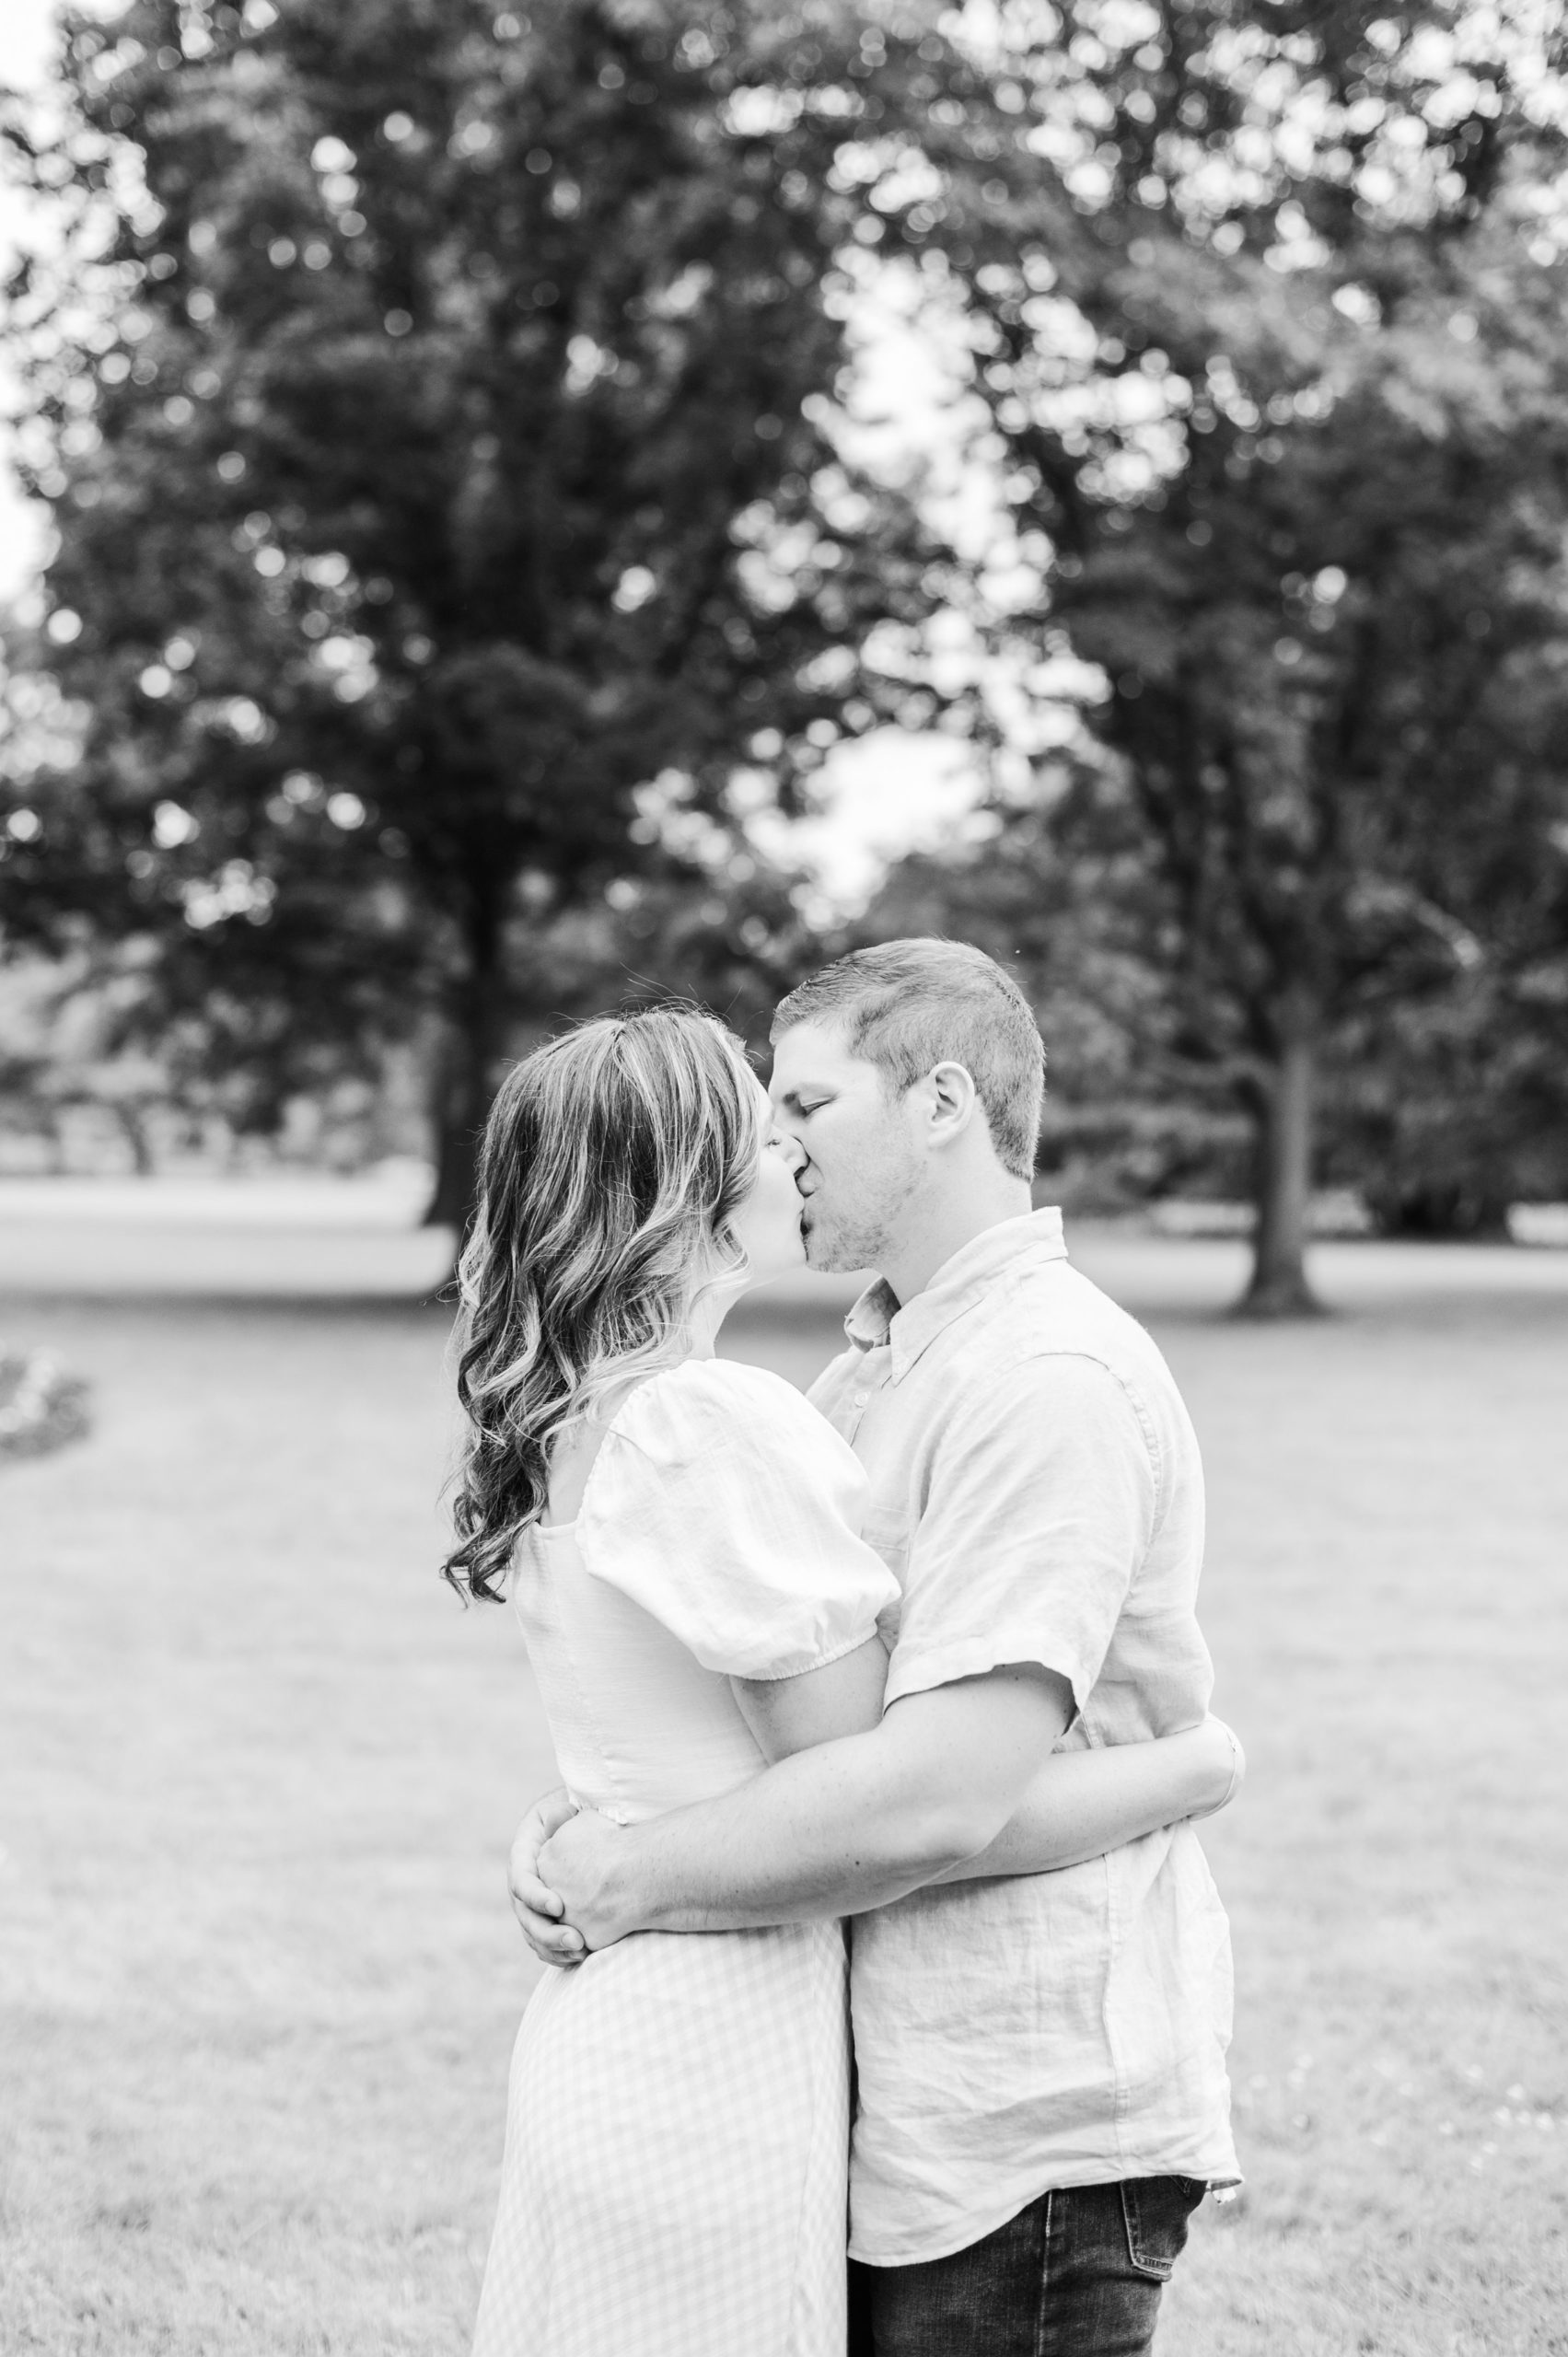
{"x":794,"y":1153}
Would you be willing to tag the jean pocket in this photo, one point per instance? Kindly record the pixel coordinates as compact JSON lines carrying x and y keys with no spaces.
{"x":1157,"y":2210}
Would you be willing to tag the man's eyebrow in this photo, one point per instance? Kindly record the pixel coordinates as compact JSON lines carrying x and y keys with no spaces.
{"x":804,"y":1088}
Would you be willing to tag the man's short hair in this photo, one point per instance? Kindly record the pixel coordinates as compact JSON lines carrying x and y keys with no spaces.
{"x":906,"y":1006}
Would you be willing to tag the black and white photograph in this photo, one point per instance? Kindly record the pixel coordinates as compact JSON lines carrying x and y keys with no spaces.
{"x":783,"y":1178}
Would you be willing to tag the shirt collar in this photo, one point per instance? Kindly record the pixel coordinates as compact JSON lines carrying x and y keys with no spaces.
{"x":877,"y":1318}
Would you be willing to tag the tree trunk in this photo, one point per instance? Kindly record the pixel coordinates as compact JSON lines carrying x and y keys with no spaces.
{"x":466,"y":1073}
{"x":134,"y":1131}
{"x":1278,"y":1287}
{"x":460,"y":1109}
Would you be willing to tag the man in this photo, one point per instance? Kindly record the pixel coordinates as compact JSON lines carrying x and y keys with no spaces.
{"x":1041,"y":2089}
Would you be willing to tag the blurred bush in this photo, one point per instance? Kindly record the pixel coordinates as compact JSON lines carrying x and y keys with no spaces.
{"x":1121,"y":1155}
{"x":1444,"y":1113}
{"x":41,"y":1406}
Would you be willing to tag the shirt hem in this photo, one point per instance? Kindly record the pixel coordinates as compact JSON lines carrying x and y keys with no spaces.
{"x":946,"y":1664}
{"x":802,"y":1668}
{"x":975,"y":2230}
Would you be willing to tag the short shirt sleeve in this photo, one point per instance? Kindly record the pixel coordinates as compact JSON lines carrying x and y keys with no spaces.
{"x":729,"y":1509}
{"x":1043,"y":1499}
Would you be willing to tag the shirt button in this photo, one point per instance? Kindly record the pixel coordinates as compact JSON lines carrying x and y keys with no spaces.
{"x":861,"y":1398}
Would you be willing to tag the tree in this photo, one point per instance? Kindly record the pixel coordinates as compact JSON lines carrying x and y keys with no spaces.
{"x":434,"y":406}
{"x":1449,"y":1109}
{"x":1067,"y":894}
{"x":1268,"y":312}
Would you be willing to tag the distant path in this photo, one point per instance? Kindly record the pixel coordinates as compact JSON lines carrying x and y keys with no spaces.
{"x":356,"y":1241}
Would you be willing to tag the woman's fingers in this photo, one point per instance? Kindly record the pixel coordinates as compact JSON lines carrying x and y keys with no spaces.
{"x":535,"y":1905}
{"x":543,"y":1820}
{"x":552,"y":1942}
{"x":551,"y":1811}
{"x":531,"y":1897}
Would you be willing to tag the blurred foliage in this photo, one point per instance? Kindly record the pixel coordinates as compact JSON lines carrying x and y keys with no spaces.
{"x":65,"y":1053}
{"x":433,"y":404}
{"x":1268,"y":311}
{"x":437,"y":411}
{"x":90,"y":1083}
{"x":1448,"y":1108}
{"x":1067,"y":894}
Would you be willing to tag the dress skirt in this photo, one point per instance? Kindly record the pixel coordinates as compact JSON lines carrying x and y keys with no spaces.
{"x":674,"y":2182}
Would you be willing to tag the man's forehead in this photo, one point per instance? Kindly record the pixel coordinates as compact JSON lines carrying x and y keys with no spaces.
{"x":813,"y":1052}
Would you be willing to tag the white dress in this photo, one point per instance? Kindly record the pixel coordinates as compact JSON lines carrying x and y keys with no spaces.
{"x":673,"y":2179}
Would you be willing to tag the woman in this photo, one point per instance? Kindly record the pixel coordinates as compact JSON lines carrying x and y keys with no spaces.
{"x":697,"y":1601}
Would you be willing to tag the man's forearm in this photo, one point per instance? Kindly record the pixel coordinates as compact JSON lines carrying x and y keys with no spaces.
{"x":828,"y":1832}
{"x":836,"y":1829}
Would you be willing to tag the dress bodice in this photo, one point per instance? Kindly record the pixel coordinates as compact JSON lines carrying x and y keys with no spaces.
{"x":718,"y":1537}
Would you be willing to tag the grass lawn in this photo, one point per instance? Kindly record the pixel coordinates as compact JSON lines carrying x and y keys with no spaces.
{"x":258,"y":1772}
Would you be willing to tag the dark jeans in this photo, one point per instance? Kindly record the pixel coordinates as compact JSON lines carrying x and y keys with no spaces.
{"x":1077,"y":2274}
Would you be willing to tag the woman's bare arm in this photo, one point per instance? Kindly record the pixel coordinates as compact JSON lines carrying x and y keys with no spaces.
{"x":791,"y":1714}
{"x":1080,"y":1805}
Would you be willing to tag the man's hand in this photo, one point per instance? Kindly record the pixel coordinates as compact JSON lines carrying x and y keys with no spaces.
{"x":584,"y":1866}
{"x":538,"y":1908}
{"x":836,"y":1829}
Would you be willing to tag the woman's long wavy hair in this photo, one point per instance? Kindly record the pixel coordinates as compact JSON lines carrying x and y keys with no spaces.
{"x":613,"y":1161}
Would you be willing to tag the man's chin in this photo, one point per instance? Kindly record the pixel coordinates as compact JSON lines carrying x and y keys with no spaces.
{"x":826,"y":1254}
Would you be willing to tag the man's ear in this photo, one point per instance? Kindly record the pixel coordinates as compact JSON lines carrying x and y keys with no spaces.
{"x":953,"y":1100}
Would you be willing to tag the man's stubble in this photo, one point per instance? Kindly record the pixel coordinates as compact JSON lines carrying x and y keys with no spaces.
{"x":858,"y":1234}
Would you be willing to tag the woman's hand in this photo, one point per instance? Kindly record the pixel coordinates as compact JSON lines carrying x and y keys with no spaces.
{"x":538,"y":1908}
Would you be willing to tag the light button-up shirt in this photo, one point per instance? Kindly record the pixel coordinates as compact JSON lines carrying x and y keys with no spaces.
{"x":1036,"y":1488}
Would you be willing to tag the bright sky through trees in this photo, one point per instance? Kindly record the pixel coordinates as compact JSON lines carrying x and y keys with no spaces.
{"x":891,"y":793}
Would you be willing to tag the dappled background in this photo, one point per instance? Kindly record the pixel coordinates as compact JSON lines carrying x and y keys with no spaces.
{"x":524,"y":512}
{"x":498,"y":466}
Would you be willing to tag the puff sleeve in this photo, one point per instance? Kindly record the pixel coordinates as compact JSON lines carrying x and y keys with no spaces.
{"x":730,"y":1510}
